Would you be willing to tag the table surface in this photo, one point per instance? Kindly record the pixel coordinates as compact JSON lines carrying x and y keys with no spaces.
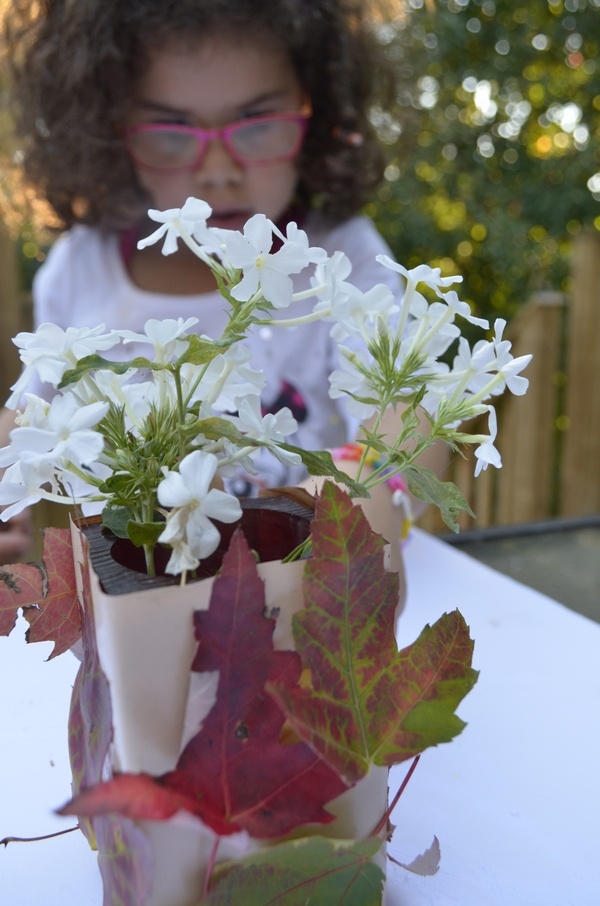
{"x":514,"y":801}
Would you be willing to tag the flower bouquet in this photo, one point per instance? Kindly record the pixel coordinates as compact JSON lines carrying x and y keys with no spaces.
{"x":233,"y":721}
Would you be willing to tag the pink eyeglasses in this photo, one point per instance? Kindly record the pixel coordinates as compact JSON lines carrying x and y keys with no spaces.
{"x":252,"y":142}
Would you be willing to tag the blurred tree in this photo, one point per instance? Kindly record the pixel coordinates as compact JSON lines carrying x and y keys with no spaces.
{"x":494,"y":141}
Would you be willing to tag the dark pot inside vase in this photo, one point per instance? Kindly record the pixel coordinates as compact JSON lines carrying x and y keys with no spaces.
{"x":273,"y":527}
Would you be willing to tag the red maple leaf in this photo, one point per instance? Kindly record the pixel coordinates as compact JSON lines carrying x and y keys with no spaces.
{"x":47,"y":593}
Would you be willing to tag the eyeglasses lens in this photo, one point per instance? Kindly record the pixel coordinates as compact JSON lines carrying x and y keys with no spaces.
{"x":266,"y":141}
{"x":164,"y":150}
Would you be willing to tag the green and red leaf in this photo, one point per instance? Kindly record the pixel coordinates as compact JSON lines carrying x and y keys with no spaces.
{"x":311,"y":870}
{"x":369,"y":704}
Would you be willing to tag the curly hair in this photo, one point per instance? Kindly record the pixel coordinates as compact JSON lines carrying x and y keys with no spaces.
{"x":74,"y":65}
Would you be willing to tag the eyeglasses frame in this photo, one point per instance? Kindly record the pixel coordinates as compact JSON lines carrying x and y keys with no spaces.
{"x":222,"y":133}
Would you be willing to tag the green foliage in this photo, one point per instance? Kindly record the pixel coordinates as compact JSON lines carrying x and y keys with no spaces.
{"x":424,"y":484}
{"x":493,"y":140}
{"x":312,"y":870}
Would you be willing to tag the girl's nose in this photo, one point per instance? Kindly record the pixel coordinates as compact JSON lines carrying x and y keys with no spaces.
{"x":217,"y":166}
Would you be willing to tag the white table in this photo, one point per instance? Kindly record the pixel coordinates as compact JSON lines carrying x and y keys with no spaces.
{"x":514,"y":801}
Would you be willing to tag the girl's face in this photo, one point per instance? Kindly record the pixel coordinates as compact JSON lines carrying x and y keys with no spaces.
{"x":219,"y":82}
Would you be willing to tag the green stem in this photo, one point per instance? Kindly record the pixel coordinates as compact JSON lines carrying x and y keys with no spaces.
{"x":294,"y":322}
{"x":149,"y":557}
{"x":299,"y":552}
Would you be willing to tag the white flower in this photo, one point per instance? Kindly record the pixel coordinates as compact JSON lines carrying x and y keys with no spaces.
{"x":65,"y":435}
{"x":486,"y":453}
{"x":462,"y":308}
{"x":294,"y":236}
{"x":124,"y":391}
{"x":35,"y":412}
{"x":349,"y":381}
{"x":181,"y":559}
{"x":190,"y":219}
{"x":430,"y":276}
{"x":67,"y":449}
{"x":51,"y":351}
{"x":226,"y":378}
{"x":164,"y":336}
{"x":508,"y":367}
{"x":21,"y":486}
{"x":471,"y":370}
{"x":270,"y":429}
{"x":328,"y":275}
{"x":357,"y":313}
{"x":433,"y":332}
{"x":193,"y":504}
{"x":251,"y":252}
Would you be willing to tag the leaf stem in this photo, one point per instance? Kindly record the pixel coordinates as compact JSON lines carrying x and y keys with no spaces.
{"x":210,"y":865}
{"x":381,"y":824}
{"x":7,"y":840}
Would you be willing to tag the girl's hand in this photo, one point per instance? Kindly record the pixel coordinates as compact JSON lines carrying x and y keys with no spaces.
{"x":15,"y":537}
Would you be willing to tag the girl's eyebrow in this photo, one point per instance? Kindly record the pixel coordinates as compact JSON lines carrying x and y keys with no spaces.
{"x":158,"y":107}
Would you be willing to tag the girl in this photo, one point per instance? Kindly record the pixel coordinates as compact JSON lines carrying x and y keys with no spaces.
{"x":255,"y":108}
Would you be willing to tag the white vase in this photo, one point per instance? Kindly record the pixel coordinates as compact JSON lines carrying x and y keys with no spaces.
{"x":146,"y":645}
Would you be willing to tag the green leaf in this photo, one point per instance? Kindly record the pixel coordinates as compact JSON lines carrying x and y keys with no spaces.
{"x":215,"y":428}
{"x":369,"y":703}
{"x":116,"y":519}
{"x":141,"y":533}
{"x":320,"y":462}
{"x":201,"y":350}
{"x":311,"y":870}
{"x":424,"y":484}
{"x":97,"y":362}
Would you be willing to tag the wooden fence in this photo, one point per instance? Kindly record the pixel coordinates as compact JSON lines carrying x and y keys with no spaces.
{"x":549,"y":439}
{"x":13,"y":311}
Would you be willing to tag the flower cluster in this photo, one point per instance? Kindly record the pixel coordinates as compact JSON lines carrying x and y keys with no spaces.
{"x":150,"y":440}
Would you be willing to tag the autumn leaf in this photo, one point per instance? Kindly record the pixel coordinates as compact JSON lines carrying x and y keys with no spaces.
{"x":235,"y":774}
{"x":125,"y":860}
{"x":236,"y":765}
{"x":136,"y":796}
{"x":20,"y":585}
{"x":124,"y":851}
{"x":425,"y":864}
{"x":90,"y":715}
{"x":311,"y":870}
{"x":47,"y":594}
{"x":369,"y":704}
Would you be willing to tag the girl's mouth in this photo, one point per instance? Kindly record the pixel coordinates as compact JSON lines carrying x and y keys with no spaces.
{"x":229,"y":219}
